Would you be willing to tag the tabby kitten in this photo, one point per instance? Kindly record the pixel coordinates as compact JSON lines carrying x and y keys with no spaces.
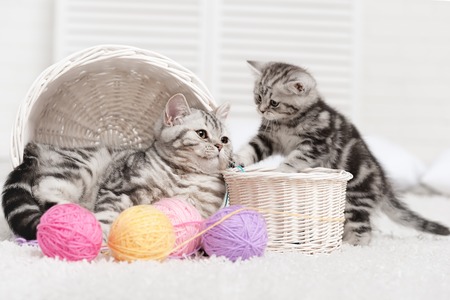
{"x":299,"y":125}
{"x":190,"y":150}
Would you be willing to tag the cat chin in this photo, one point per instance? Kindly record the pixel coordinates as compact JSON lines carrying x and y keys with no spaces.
{"x":210,"y":166}
{"x":270,"y":118}
{"x":214,"y":165}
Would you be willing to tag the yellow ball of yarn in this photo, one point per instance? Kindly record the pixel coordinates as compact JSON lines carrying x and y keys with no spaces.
{"x":141,"y":233}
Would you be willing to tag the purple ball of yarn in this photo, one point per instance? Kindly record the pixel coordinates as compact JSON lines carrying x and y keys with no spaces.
{"x":241,"y":236}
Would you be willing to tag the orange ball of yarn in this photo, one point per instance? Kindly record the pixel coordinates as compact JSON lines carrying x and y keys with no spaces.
{"x":141,"y":233}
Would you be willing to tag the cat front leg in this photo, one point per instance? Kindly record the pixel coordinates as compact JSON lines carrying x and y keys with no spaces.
{"x":295,"y":162}
{"x":245,"y":157}
{"x":259,"y":148}
{"x":108,"y":207}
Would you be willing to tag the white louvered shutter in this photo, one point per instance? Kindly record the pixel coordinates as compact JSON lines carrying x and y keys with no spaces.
{"x":172,"y":28}
{"x":316,"y":34}
{"x":214,"y":38}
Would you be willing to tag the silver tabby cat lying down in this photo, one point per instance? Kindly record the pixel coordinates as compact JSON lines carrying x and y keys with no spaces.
{"x":299,"y":125}
{"x":190,"y":150}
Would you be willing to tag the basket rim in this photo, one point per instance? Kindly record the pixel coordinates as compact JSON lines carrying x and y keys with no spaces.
{"x":91,"y":55}
{"x":318,"y":173}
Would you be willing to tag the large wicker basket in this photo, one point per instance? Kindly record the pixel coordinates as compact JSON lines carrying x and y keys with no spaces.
{"x":104,"y":95}
{"x":304,"y":211}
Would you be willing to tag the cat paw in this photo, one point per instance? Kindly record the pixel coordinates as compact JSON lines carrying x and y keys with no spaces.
{"x":283,"y":168}
{"x":357,"y":239}
{"x":239,"y":161}
{"x":233,"y":164}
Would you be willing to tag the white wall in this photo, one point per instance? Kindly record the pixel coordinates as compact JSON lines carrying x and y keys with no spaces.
{"x":25,"y":50}
{"x":403,"y":81}
{"x":405,"y":74}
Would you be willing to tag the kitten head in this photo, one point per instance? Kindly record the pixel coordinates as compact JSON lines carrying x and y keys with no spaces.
{"x":282,"y":91}
{"x":196,"y":137}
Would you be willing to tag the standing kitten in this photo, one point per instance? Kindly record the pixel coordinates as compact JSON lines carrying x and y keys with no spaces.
{"x":190,"y":150}
{"x":299,"y":125}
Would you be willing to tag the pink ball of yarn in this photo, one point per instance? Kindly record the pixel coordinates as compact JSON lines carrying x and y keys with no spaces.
{"x":241,"y":236}
{"x":70,"y":232}
{"x":187,"y":223}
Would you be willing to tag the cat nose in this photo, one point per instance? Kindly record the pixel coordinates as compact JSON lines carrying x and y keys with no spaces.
{"x":219,"y":146}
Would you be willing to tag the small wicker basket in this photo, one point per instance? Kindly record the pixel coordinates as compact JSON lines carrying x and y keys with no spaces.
{"x":104,"y":95}
{"x":304,"y":211}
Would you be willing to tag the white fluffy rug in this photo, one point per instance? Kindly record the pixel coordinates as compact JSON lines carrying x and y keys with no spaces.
{"x":399,"y":264}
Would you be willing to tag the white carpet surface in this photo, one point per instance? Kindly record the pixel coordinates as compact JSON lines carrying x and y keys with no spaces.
{"x":399,"y":264}
{"x":401,"y":268}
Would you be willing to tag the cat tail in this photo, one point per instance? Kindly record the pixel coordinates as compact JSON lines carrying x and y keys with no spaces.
{"x":21,"y":209}
{"x":397,"y":211}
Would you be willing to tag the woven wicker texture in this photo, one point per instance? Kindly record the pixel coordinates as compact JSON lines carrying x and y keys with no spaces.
{"x":304,"y":211}
{"x":104,"y":95}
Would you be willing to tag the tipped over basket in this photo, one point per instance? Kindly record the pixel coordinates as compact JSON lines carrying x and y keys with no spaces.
{"x":105,"y":95}
{"x":304,"y":211}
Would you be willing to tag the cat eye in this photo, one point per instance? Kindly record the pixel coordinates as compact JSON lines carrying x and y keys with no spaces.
{"x":202,"y":133}
{"x":258,"y":98}
{"x":224,"y":140}
{"x":274,"y":103}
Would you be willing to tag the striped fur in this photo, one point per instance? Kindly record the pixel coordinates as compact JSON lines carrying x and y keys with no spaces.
{"x":299,"y":125}
{"x":182,"y":162}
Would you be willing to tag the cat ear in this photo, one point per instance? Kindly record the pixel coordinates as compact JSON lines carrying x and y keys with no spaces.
{"x":256,"y":66}
{"x":176,"y":108}
{"x":222,"y":111}
{"x":302,"y":84}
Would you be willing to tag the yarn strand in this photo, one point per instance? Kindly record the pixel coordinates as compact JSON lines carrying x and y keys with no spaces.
{"x":223,"y":219}
{"x":232,"y":234}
